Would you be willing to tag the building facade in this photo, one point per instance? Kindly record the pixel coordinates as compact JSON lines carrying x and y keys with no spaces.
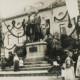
{"x":56,"y":13}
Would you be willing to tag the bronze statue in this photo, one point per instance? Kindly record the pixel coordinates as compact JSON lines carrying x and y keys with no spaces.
{"x":37,"y":22}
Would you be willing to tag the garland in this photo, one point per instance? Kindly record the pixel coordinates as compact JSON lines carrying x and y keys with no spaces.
{"x":11,"y":28}
{"x":12,"y":33}
{"x":74,"y":28}
{"x":72,"y":31}
{"x":14,"y":46}
{"x":55,"y":18}
{"x":18,"y":28}
{"x":9,"y":48}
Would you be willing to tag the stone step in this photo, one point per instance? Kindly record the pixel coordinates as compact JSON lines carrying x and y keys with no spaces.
{"x":28,"y":68}
{"x":26,"y":73}
{"x":53,"y":77}
{"x":36,"y":62}
{"x":37,"y":65}
{"x":34,"y":59}
{"x":36,"y":55}
{"x":35,"y":68}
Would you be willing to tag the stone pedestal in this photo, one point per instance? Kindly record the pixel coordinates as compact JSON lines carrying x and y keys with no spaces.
{"x":36,"y":50}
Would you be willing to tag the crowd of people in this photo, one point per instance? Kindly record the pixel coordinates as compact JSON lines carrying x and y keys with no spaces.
{"x":12,"y":60}
{"x":66,"y":61}
{"x":69,"y":65}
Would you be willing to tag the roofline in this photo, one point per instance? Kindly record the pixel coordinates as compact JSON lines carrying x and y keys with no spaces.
{"x":24,"y":14}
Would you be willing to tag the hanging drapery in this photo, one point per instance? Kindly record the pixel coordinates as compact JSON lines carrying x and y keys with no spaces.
{"x":12,"y":33}
{"x":55,"y":18}
{"x":69,"y":22}
{"x":10,"y":48}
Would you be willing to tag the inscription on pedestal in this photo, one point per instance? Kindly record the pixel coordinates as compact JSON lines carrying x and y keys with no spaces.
{"x":36,"y":50}
{"x":33,"y":49}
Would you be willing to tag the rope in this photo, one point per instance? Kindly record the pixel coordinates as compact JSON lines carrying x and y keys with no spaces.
{"x":12,"y":33}
{"x":11,"y":28}
{"x":14,"y":46}
{"x":17,"y":27}
{"x":9,"y":48}
{"x":62,"y":17}
{"x":73,"y":31}
{"x":74,"y":28}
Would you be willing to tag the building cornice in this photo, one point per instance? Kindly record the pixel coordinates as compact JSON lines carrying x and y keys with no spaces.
{"x":40,"y":10}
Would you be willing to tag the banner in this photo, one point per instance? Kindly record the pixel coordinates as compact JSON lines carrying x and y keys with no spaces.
{"x":72,"y":6}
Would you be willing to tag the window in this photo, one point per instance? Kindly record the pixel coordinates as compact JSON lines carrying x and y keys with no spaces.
{"x":62,"y":29}
{"x":20,"y":40}
{"x":48,"y":26}
{"x":10,"y":38}
{"x":48,"y":22}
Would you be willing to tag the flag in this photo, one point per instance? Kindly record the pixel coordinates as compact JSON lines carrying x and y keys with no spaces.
{"x":72,"y":6}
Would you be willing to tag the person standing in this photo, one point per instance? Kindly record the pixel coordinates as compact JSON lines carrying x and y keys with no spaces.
{"x":3,"y":62}
{"x":21,"y":62}
{"x":63,"y":58}
{"x":16,"y":63}
{"x":75,"y":58}
{"x":69,"y":68}
{"x":10,"y":60}
{"x":78,"y":67}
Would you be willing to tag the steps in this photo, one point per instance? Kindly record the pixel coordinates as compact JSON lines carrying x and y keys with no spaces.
{"x":28,"y":69}
{"x":38,"y":62}
{"x":32,"y":78}
{"x":31,"y":67}
{"x":25,"y":73}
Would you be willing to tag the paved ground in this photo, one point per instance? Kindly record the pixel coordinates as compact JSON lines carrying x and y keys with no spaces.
{"x":31,"y":78}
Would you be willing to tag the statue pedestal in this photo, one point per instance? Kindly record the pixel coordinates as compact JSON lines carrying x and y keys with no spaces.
{"x":36,"y":50}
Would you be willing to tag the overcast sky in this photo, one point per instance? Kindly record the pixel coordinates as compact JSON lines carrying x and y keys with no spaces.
{"x":8,"y":7}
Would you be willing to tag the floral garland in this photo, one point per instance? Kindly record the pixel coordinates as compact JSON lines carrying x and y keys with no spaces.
{"x":73,"y":31}
{"x":9,"y":48}
{"x":55,"y":18}
{"x":14,"y":46}
{"x":12,"y":33}
{"x":11,"y":28}
{"x":18,"y":28}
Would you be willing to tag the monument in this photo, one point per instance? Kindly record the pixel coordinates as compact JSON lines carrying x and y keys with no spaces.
{"x":36,"y":49}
